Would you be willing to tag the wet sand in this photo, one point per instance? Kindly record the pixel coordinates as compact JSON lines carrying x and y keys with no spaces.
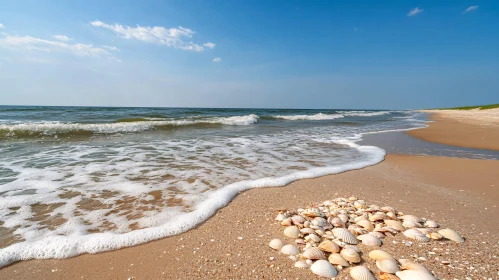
{"x":461,"y":194}
{"x":472,"y":129}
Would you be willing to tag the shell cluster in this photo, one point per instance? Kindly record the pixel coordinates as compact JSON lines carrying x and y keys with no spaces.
{"x":326,"y":238}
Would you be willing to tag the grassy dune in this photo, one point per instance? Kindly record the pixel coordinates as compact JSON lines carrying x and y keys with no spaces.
{"x":481,"y":107}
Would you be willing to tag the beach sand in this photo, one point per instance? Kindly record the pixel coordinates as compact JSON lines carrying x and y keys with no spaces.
{"x":464,"y":128}
{"x":461,"y":194}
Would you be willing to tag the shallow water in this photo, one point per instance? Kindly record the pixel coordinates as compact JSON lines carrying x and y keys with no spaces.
{"x":82,"y":180}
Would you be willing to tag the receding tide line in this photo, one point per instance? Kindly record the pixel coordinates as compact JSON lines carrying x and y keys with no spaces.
{"x":58,"y":247}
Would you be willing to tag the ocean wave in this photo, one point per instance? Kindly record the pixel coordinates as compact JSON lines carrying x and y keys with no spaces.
{"x":316,"y":117}
{"x":121,"y":126}
{"x":364,"y":113}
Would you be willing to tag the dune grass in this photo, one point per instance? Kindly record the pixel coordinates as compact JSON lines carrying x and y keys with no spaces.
{"x":480,"y":107}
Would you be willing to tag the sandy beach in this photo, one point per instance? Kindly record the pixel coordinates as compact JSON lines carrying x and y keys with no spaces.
{"x":461,"y":194}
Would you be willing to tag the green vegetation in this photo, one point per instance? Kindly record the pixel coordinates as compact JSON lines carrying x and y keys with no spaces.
{"x":482,"y":107}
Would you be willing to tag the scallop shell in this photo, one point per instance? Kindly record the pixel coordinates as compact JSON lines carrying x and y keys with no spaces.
{"x":286,"y":222}
{"x":450,"y":234}
{"x":276,"y":244}
{"x":280,"y":217}
{"x":345,"y":235}
{"x":329,"y":246}
{"x":410,"y":265}
{"x":366,"y":224}
{"x":388,"y":265}
{"x":369,"y":240}
{"x":378,"y":217}
{"x":411,"y":218}
{"x":416,"y":235}
{"x":313,"y":237}
{"x":361,"y":273}
{"x":337,"y":259}
{"x":290,"y":250}
{"x":324,"y":268}
{"x":411,"y":224}
{"x":307,"y":231}
{"x":392,"y":215}
{"x":431,"y":224}
{"x":414,"y":275}
{"x":298,"y":220}
{"x":292,"y":232}
{"x":350,"y":255}
{"x":377,"y":234}
{"x":360,"y":218}
{"x":301,"y":264}
{"x":343,"y":217}
{"x":306,"y":224}
{"x":337,"y":222}
{"x":314,"y":253}
{"x":387,"y":276}
{"x":395,"y":224}
{"x":379,"y":255}
{"x":318,"y":221}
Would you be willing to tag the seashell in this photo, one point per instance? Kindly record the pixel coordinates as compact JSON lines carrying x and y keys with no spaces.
{"x":276,"y":244}
{"x":320,"y":232}
{"x":345,"y":235}
{"x":411,"y":224}
{"x":388,"y":209}
{"x":292,"y":232}
{"x":416,"y":235}
{"x":387,"y":229}
{"x":350,"y":255}
{"x":431,"y":224}
{"x":309,"y":262}
{"x":312,"y":237}
{"x":324,"y":268}
{"x":353,"y":247}
{"x":395,"y":224}
{"x":366,"y":224}
{"x":392,"y":215}
{"x":313,"y":212}
{"x":290,"y":250}
{"x":280,"y":217}
{"x":388,"y":265}
{"x":369,"y":240}
{"x":410,"y":265}
{"x":450,"y":234}
{"x":359,"y":205}
{"x":435,"y":236}
{"x":425,"y":230}
{"x":361,"y":273}
{"x":301,"y":264}
{"x":337,"y":222}
{"x":411,"y":218}
{"x":314,"y":253}
{"x":329,"y":246}
{"x":360,"y":231}
{"x":352,"y":198}
{"x":377,"y":234}
{"x":340,"y":243}
{"x":344,"y":218}
{"x":307,"y":231}
{"x":316,"y":227}
{"x":300,"y":241}
{"x":298,"y":220}
{"x":337,"y":259}
{"x":414,"y":275}
{"x":286,"y":222}
{"x":318,"y":221}
{"x":360,"y":218}
{"x":379,"y":255}
{"x":378,"y":217}
{"x":387,"y":276}
{"x":306,"y":224}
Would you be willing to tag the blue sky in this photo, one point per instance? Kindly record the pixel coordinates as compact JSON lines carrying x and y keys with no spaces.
{"x":279,"y":54}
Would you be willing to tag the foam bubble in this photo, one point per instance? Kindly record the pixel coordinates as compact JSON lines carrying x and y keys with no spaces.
{"x":316,"y":117}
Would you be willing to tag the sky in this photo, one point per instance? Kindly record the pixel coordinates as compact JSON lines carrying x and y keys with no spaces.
{"x":252,"y":54}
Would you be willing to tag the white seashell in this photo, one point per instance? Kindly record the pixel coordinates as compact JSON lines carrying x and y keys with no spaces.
{"x":312,"y":237}
{"x":318,"y":221}
{"x":301,"y":264}
{"x":411,"y":224}
{"x":414,"y":275}
{"x":307,"y":231}
{"x":297,"y":219}
{"x":361,"y":273}
{"x":353,"y":198}
{"x":320,"y":232}
{"x":329,"y":246}
{"x":388,"y":265}
{"x":360,"y":218}
{"x":350,"y":255}
{"x":309,"y":262}
{"x":411,"y":218}
{"x":344,"y":218}
{"x":416,"y":235}
{"x":345,"y":235}
{"x":379,"y":255}
{"x":353,"y":247}
{"x":378,"y":217}
{"x":388,"y":209}
{"x":435,"y":236}
{"x":340,"y":243}
{"x":410,"y":265}
{"x":451,"y":234}
{"x":314,"y":253}
{"x":286,"y":222}
{"x":395,"y":224}
{"x":337,"y":222}
{"x":324,"y":268}
{"x":300,"y":241}
{"x":280,"y":217}
{"x":306,"y":224}
{"x":290,"y":250}
{"x":392,"y":215}
{"x":425,"y":230}
{"x":276,"y":244}
{"x":369,"y":240}
{"x":431,"y":224}
{"x":337,"y":259}
{"x":359,"y":205}
{"x":366,"y":224}
{"x":292,"y":232}
{"x":313,"y":212}
{"x":377,"y":234}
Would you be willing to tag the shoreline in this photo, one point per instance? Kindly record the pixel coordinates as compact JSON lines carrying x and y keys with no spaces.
{"x":233,"y":243}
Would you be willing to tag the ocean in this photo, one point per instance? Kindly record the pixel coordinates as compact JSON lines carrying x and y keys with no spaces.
{"x":77,"y":180}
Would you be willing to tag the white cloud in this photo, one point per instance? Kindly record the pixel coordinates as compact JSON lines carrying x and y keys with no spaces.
{"x":111,"y":48}
{"x":31,"y":43}
{"x":2,"y":26}
{"x":209,"y":45}
{"x":217,"y":59}
{"x":415,"y":11}
{"x":63,"y":38}
{"x":470,"y":8}
{"x":170,"y":37}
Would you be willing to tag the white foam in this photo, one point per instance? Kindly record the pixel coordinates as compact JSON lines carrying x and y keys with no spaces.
{"x":364,"y":113}
{"x":316,"y":117}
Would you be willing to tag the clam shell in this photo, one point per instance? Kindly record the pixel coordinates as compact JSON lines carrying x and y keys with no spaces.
{"x":307,"y":231}
{"x":387,"y":276}
{"x":392,"y":215}
{"x":414,"y":275}
{"x":329,"y":246}
{"x":435,"y":236}
{"x":395,"y":224}
{"x":411,"y":224}
{"x":425,"y":230}
{"x":337,"y":222}
{"x":276,"y":244}
{"x":286,"y":222}
{"x":313,"y":212}
{"x":297,"y":219}
{"x":350,"y":255}
{"x":314,"y":253}
{"x":388,"y":265}
{"x":416,"y":235}
{"x":292,"y":232}
{"x":378,"y":217}
{"x":388,"y":209}
{"x":320,"y":222}
{"x":356,"y":249}
{"x":280,"y":217}
{"x":377,"y":234}
{"x":451,"y":234}
{"x":337,"y":259}
{"x":345,"y":235}
{"x":431,"y":224}
{"x":361,"y":273}
{"x":312,"y":237}
{"x":411,"y":218}
{"x":300,"y":241}
{"x":410,"y":265}
{"x":290,"y":250}
{"x":343,"y":217}
{"x":324,"y":268}
{"x":366,"y":224}
{"x":360,"y":218}
{"x":301,"y":264}
{"x":306,"y":224}
{"x":369,"y":240}
{"x":379,"y":255}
